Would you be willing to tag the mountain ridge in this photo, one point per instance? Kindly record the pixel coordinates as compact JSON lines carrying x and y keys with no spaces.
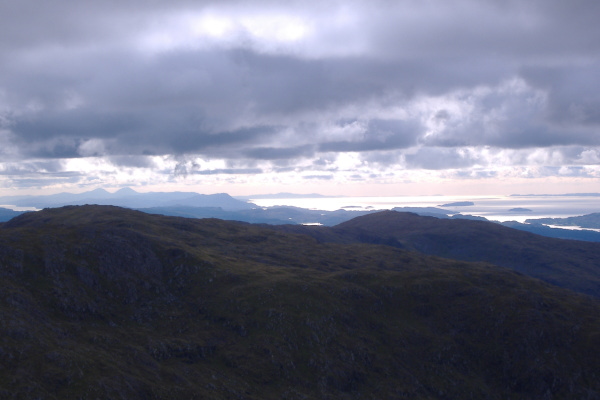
{"x":127,"y":197}
{"x":106,"y":302}
{"x":566,"y":263}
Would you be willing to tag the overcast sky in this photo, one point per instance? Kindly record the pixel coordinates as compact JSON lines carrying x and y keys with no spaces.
{"x":339,"y":97}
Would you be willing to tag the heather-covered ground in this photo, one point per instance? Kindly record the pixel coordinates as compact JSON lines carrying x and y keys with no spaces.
{"x":104,"y":302}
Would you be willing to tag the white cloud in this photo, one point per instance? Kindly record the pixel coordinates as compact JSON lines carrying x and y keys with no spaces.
{"x":589,"y":157}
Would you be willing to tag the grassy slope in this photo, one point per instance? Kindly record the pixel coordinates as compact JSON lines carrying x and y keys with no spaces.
{"x":102,"y":302}
{"x":567,"y":263}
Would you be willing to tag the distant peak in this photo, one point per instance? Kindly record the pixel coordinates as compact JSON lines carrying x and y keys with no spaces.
{"x":99,"y":190}
{"x":126,"y":191}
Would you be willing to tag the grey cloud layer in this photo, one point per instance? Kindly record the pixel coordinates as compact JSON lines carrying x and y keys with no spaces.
{"x":75,"y":82}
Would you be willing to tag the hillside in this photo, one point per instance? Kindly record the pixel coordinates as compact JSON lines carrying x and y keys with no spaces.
{"x":7,"y":214}
{"x":281,"y":215}
{"x":559,"y":233}
{"x":104,"y":302}
{"x":567,"y":263}
{"x":277,"y":215}
{"x":584,"y":221}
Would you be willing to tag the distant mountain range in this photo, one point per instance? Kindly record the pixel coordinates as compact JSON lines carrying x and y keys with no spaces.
{"x":129,"y":198}
{"x":100,"y":302}
{"x":224,"y":206}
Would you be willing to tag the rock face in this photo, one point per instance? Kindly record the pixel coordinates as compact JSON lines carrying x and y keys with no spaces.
{"x":103,"y":302}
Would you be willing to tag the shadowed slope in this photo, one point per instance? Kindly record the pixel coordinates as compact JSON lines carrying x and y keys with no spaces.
{"x":103,"y":302}
{"x":566,"y":263}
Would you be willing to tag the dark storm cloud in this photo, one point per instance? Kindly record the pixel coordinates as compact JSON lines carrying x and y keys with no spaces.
{"x":80,"y":124}
{"x":287,"y":84}
{"x":439,"y":158}
{"x":62,"y":134}
{"x":39,"y":167}
{"x":132,"y":161}
{"x":574,"y":93}
{"x":514,"y":117}
{"x":380,"y":135}
{"x":28,"y":23}
{"x":273,"y":153}
{"x":530,"y":31}
{"x":126,"y":79}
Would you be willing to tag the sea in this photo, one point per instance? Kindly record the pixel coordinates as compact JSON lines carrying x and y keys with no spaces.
{"x":495,"y":208}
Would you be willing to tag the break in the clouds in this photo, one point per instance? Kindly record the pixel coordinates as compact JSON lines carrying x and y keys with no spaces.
{"x":113,"y":93}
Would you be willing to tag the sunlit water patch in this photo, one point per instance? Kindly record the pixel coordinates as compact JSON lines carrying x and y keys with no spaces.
{"x":17,"y":208}
{"x":495,"y":208}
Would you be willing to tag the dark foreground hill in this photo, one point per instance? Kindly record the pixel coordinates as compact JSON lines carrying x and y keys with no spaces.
{"x":567,"y":263}
{"x":102,"y":302}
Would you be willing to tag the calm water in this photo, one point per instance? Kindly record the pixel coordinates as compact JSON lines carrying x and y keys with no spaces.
{"x":491,"y":207}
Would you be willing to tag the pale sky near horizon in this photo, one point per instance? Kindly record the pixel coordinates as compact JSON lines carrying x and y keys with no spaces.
{"x":337,"y":97}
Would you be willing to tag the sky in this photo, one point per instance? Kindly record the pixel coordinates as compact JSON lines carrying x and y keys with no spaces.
{"x":359,"y":98}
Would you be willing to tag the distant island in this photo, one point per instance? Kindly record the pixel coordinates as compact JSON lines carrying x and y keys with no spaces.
{"x":520,"y":209}
{"x":459,"y":204}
